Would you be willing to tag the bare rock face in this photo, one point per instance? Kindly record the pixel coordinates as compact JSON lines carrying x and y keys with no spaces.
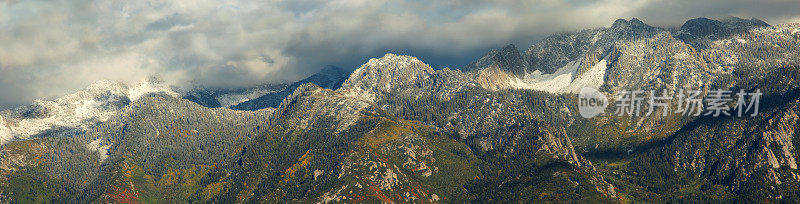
{"x":752,"y":154}
{"x":386,"y":74}
{"x":747,"y":158}
{"x":588,"y":61}
{"x":556,"y":141}
{"x":494,"y":78}
{"x":557,"y":50}
{"x":659,"y":62}
{"x":781,"y":136}
{"x":310,"y":102}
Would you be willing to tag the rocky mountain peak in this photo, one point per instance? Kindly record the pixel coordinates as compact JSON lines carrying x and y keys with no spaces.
{"x":301,"y":91}
{"x":382,"y":74}
{"x":508,"y":59}
{"x":625,"y":29}
{"x":704,"y":27}
{"x":633,"y":23}
{"x":393,"y":62}
{"x":104,"y":85}
{"x":330,"y":77}
{"x":310,"y":104}
{"x":749,"y":22}
{"x":558,"y":50}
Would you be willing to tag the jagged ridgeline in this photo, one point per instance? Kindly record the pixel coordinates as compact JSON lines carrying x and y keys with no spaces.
{"x":265,"y":95}
{"x":503,"y":129}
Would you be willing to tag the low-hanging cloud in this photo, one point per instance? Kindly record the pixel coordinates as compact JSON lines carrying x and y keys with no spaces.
{"x":51,"y":48}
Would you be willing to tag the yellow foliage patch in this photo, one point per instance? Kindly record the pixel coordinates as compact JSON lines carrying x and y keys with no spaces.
{"x":388,"y":130}
{"x":214,"y":189}
{"x":301,"y":163}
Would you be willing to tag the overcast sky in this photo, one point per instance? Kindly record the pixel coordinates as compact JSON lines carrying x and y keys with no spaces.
{"x":51,"y":48}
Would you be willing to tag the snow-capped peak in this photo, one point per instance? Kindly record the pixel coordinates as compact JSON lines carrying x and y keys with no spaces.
{"x":149,"y":86}
{"x":96,"y":103}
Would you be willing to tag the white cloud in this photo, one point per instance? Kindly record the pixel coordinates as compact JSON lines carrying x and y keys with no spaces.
{"x":50,"y":48}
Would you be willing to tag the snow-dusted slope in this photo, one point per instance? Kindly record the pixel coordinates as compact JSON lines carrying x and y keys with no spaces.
{"x":98,"y":146}
{"x":231,"y":99}
{"x":552,"y":83}
{"x":5,"y":132}
{"x":74,"y":112}
{"x":563,"y":80}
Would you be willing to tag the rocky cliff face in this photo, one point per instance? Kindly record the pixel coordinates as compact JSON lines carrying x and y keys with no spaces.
{"x":558,"y":50}
{"x":750,"y":155}
{"x":390,"y":72}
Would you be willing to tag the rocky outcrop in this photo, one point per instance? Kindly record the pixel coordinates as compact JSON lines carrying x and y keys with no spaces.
{"x":657,"y":63}
{"x":385,"y":74}
{"x":557,"y":50}
{"x":310,"y":103}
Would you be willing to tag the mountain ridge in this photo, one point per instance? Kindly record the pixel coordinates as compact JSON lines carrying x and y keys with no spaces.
{"x":396,"y":130}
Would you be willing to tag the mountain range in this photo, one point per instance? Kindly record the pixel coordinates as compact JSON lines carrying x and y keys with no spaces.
{"x":504,"y":128}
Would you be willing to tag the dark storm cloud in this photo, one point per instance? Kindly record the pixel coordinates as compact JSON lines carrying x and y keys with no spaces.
{"x":50,"y":48}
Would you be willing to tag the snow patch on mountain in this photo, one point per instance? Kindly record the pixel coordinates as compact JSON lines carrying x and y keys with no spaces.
{"x":74,"y":112}
{"x":147,"y":87}
{"x":97,"y":146}
{"x":592,"y":78}
{"x":562,"y":81}
{"x":552,"y":83}
{"x":5,"y":132}
{"x":232,"y":99}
